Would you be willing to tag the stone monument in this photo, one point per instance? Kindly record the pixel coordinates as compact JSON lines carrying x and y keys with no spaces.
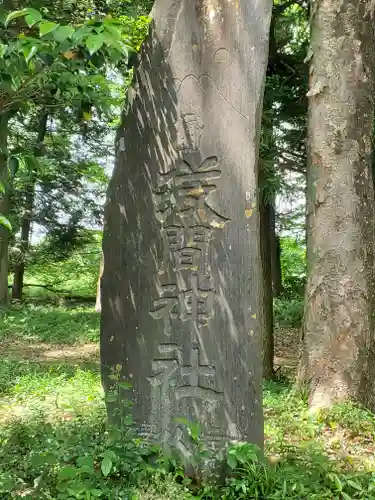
{"x":181,"y":287}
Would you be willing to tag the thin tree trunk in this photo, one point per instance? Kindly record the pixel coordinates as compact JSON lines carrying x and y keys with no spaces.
{"x":266,"y":210}
{"x":19,"y":270}
{"x":338,"y":334}
{"x":4,"y":209}
{"x":275,"y":249}
{"x":98,"y":305}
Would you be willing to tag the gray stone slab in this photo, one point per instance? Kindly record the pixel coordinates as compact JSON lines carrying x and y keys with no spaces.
{"x":181,"y":288}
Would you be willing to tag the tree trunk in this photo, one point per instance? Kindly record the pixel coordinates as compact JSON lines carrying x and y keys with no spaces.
{"x":98,"y":305}
{"x":266,"y":211}
{"x":4,"y":209}
{"x":19,"y":270}
{"x":338,"y":335}
{"x":275,"y":250}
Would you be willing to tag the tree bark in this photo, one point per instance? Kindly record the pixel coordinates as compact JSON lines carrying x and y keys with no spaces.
{"x":4,"y":209}
{"x":98,"y":304}
{"x":338,"y":335}
{"x":26,"y":222}
{"x":266,"y":211}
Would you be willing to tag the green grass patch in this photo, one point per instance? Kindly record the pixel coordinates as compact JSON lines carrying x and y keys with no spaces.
{"x":55,"y":442}
{"x":48,"y":323}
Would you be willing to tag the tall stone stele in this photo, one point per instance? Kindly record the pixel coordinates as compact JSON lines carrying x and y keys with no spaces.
{"x":181,"y":287}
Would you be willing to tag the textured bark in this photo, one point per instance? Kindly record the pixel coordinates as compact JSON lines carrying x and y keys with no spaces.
{"x":266,"y":219}
{"x":268,"y":332}
{"x":338,"y":343}
{"x":19,"y":270}
{"x":4,"y":209}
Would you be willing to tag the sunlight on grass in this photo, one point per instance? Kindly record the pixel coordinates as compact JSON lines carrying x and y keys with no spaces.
{"x":60,"y":391}
{"x":54,"y":435}
{"x":47,"y":323}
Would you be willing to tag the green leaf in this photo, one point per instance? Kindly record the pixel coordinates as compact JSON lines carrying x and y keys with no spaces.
{"x":111,"y":397}
{"x":232,"y":461}
{"x":62,"y":33}
{"x":13,"y":165}
{"x":106,"y":466}
{"x":108,"y":38}
{"x":345,"y":496}
{"x":81,"y":32}
{"x":354,"y":485}
{"x":93,"y":43}
{"x":68,"y":472}
{"x":32,"y":17}
{"x":46,"y":27}
{"x":5,"y":222}
{"x":125,"y":385}
{"x":110,"y":454}
{"x":29,"y":51}
{"x":115,"y":32}
{"x":338,"y":483}
{"x":85,"y":461}
{"x":32,"y":162}
{"x":194,"y":430}
{"x":37,"y":481}
{"x":128,"y":420}
{"x":3,"y":49}
{"x":14,"y":15}
{"x":29,"y":20}
{"x":96,"y":493}
{"x":114,"y":55}
{"x":121,"y":47}
{"x":87,"y":116}
{"x":2,"y":187}
{"x":182,"y":420}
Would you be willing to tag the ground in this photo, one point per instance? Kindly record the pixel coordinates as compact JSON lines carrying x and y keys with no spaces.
{"x":52,"y":420}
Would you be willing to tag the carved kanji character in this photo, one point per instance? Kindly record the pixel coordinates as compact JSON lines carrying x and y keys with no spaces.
{"x":188,"y":259}
{"x":196,"y":303}
{"x":175,"y":236}
{"x":184,"y":190}
{"x":166,"y":307}
{"x":193,"y":389}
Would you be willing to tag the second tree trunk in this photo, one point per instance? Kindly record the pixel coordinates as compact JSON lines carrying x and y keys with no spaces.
{"x":28,"y":212}
{"x":338,"y":355}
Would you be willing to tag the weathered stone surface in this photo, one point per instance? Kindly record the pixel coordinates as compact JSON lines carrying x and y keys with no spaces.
{"x":181,"y":288}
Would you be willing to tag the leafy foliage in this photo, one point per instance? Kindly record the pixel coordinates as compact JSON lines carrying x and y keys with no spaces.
{"x":54,"y":267}
{"x":288,"y":309}
{"x":288,"y":312}
{"x":60,"y":66}
{"x":293,"y":267}
{"x":67,"y":63}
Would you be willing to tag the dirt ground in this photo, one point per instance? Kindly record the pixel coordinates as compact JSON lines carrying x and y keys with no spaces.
{"x":286,"y":351}
{"x":39,"y":352}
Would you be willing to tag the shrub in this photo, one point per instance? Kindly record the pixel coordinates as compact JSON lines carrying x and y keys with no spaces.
{"x":288,"y":312}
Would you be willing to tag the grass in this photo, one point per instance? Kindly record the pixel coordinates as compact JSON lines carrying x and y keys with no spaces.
{"x":51,"y":324}
{"x":55,"y":443}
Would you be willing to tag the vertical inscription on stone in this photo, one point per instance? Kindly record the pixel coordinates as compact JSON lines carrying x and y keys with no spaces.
{"x":187,"y":222}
